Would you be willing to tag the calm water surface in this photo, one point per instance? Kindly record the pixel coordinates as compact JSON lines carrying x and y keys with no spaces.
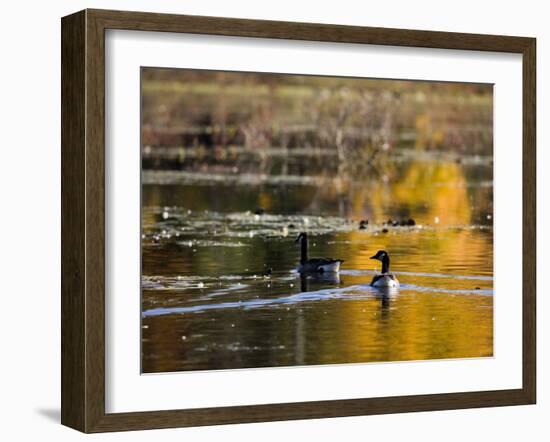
{"x":207,"y":304}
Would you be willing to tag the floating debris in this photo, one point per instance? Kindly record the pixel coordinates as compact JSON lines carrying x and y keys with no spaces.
{"x":405,"y":222}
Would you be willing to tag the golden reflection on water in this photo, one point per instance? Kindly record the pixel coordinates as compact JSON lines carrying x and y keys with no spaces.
{"x":407,"y":326}
{"x":444,"y":308}
{"x":426,"y":319}
{"x":432,"y":192}
{"x":403,"y":329}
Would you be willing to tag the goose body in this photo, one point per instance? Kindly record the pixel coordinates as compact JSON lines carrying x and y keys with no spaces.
{"x":315,"y":265}
{"x":319,"y":265}
{"x":385,"y":279}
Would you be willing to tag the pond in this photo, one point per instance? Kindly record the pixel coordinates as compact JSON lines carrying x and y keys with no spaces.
{"x":220,"y":289}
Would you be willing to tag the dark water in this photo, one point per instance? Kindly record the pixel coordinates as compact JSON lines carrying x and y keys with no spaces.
{"x":207,"y":304}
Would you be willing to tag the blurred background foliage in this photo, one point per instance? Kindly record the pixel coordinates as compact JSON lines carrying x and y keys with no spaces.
{"x":345,"y":125}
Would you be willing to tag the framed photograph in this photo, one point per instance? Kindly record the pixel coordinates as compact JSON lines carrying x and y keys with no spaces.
{"x":267,"y":221}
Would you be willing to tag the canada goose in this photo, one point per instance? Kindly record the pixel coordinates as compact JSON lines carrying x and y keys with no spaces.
{"x":385,"y":279}
{"x":315,"y":265}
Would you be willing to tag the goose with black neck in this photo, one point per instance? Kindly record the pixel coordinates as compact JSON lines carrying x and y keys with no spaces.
{"x":384,"y":279}
{"x":315,"y":265}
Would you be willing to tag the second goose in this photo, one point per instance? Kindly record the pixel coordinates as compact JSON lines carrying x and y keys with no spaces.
{"x":385,"y":279}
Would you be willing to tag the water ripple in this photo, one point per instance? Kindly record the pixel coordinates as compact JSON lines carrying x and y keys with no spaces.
{"x":428,"y":275}
{"x":353,"y":292}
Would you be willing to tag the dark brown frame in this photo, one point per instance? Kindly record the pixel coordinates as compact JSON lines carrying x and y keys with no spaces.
{"x":83,"y":216}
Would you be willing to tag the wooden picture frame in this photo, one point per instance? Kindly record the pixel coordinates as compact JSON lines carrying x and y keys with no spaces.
{"x":83,"y":220}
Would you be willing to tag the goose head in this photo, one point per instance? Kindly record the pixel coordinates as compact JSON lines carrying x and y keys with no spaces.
{"x":384,"y":258}
{"x":301,"y":237}
{"x":381,"y":255}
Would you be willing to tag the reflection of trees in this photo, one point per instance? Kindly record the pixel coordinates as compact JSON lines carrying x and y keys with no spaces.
{"x":421,"y":190}
{"x":438,"y":187}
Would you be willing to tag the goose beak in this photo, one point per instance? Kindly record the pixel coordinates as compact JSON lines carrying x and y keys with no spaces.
{"x":374,"y":257}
